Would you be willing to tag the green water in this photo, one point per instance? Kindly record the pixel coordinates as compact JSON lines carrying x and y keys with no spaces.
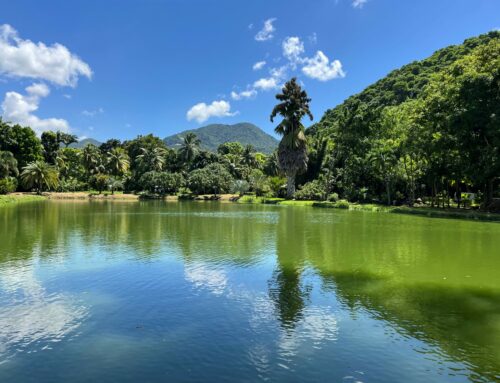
{"x":189,"y":292}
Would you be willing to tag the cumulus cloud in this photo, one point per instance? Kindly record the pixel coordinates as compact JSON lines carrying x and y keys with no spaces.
{"x":293,"y":48}
{"x":250,"y":93}
{"x":24,"y":58}
{"x":320,"y":68}
{"x":19,"y":109}
{"x":259,"y":65}
{"x":267,"y":32}
{"x":358,"y":3}
{"x":202,"y":112}
{"x":266,"y":83}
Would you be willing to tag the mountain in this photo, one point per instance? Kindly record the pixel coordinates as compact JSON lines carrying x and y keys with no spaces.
{"x":211,"y":136}
{"x":82,"y":143}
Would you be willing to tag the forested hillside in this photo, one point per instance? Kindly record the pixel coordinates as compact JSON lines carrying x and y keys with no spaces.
{"x":428,"y":128}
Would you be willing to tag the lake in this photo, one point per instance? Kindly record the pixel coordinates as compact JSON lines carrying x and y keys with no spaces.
{"x":190,"y":292}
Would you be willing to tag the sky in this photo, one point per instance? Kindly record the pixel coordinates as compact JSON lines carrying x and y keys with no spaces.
{"x":120,"y":68}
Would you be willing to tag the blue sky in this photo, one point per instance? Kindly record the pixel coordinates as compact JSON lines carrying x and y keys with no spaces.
{"x":106,"y":69}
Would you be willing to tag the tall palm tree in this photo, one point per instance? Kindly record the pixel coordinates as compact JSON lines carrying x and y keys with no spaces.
{"x":152,"y":159}
{"x":92,"y":159}
{"x":8,"y":164}
{"x":292,"y":150}
{"x":248,"y":156}
{"x":118,"y":161}
{"x":190,"y":148}
{"x":40,"y":175}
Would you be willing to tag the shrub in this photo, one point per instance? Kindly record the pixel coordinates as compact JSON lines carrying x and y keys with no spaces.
{"x":342,"y":204}
{"x":278,"y":186}
{"x":161,"y":182}
{"x":213,"y":178}
{"x":314,"y":190}
{"x":99,"y":182}
{"x":8,"y":185}
{"x":258,"y":182}
{"x":240,"y":187}
{"x":334,"y":197}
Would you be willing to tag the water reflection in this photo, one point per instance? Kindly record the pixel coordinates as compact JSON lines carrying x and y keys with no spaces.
{"x":305,"y":279}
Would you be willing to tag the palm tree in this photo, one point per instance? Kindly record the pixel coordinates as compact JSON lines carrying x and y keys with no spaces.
{"x":8,"y":164}
{"x":190,"y":148}
{"x":152,"y":159}
{"x":65,"y":138}
{"x":40,"y":175}
{"x":114,"y":184}
{"x":92,"y":159}
{"x":292,"y":150}
{"x":248,"y":156}
{"x":118,"y":161}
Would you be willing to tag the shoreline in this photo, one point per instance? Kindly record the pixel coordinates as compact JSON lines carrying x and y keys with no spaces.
{"x":424,"y":211}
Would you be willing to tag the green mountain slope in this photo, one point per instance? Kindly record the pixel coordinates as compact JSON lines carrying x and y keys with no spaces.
{"x":360,"y":111}
{"x":82,"y":143}
{"x":212,"y":136}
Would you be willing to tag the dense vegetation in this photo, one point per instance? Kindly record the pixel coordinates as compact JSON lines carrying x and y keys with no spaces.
{"x":143,"y":165}
{"x":211,"y":136}
{"x":428,"y":131}
{"x":431,"y":128}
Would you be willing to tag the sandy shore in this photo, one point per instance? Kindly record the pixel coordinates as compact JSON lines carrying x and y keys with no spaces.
{"x":83,"y":196}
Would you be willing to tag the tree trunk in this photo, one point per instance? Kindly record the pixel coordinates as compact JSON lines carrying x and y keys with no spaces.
{"x":388,"y":191}
{"x":459,"y":195}
{"x":290,"y":185}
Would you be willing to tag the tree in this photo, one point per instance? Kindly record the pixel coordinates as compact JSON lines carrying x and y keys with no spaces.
{"x":161,"y":182}
{"x":117,"y":161}
{"x":22,"y":142}
{"x":99,"y":182}
{"x":292,"y":150}
{"x":189,"y":148}
{"x":114,"y":184}
{"x":212,"y":179}
{"x":108,"y":145}
{"x":66,"y":138}
{"x":40,"y":176}
{"x":248,"y":156}
{"x":8,"y":164}
{"x":50,"y":145}
{"x":152,"y":159}
{"x":92,"y":160}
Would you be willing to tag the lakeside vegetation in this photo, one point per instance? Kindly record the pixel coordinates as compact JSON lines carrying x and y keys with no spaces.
{"x":428,"y":133}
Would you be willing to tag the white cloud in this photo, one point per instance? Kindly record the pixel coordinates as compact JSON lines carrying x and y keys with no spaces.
{"x":293,"y":48}
{"x":24,"y":58}
{"x":266,"y":83}
{"x":358,"y":3}
{"x":92,"y":113}
{"x":202,"y":112}
{"x":68,"y":96}
{"x":19,"y":109}
{"x":259,"y":65}
{"x":320,"y":68}
{"x":267,"y":32}
{"x":250,"y":93}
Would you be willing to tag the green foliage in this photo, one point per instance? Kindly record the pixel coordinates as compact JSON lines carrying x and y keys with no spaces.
{"x":8,"y":185}
{"x":50,"y":145}
{"x":162,"y":182}
{"x":314,"y":190}
{"x":22,"y":142}
{"x":8,"y":164}
{"x":235,"y":148}
{"x":99,"y":182}
{"x":240,"y":187}
{"x":213,"y":179}
{"x":40,"y":176}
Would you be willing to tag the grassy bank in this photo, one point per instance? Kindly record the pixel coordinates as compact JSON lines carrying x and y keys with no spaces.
{"x":12,"y":199}
{"x":342,"y":204}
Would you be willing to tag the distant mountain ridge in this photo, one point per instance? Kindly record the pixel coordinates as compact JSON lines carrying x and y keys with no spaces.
{"x":86,"y":141}
{"x":211,"y":136}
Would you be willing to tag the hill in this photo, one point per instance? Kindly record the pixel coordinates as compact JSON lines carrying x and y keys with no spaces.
{"x":212,"y":136}
{"x":408,"y":82}
{"x":82,"y":143}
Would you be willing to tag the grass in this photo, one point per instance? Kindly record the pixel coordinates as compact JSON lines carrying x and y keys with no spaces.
{"x":12,"y":199}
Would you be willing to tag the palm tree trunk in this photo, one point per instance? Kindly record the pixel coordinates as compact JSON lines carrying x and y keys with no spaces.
{"x":290,"y":185}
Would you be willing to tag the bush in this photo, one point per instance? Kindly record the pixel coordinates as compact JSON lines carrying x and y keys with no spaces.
{"x":240,"y":187}
{"x":258,"y":182}
{"x":213,"y":178}
{"x":8,"y":185}
{"x":342,"y":204}
{"x":161,"y":182}
{"x":278,"y":186}
{"x":99,"y":182}
{"x":334,"y":197}
{"x":314,"y":190}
